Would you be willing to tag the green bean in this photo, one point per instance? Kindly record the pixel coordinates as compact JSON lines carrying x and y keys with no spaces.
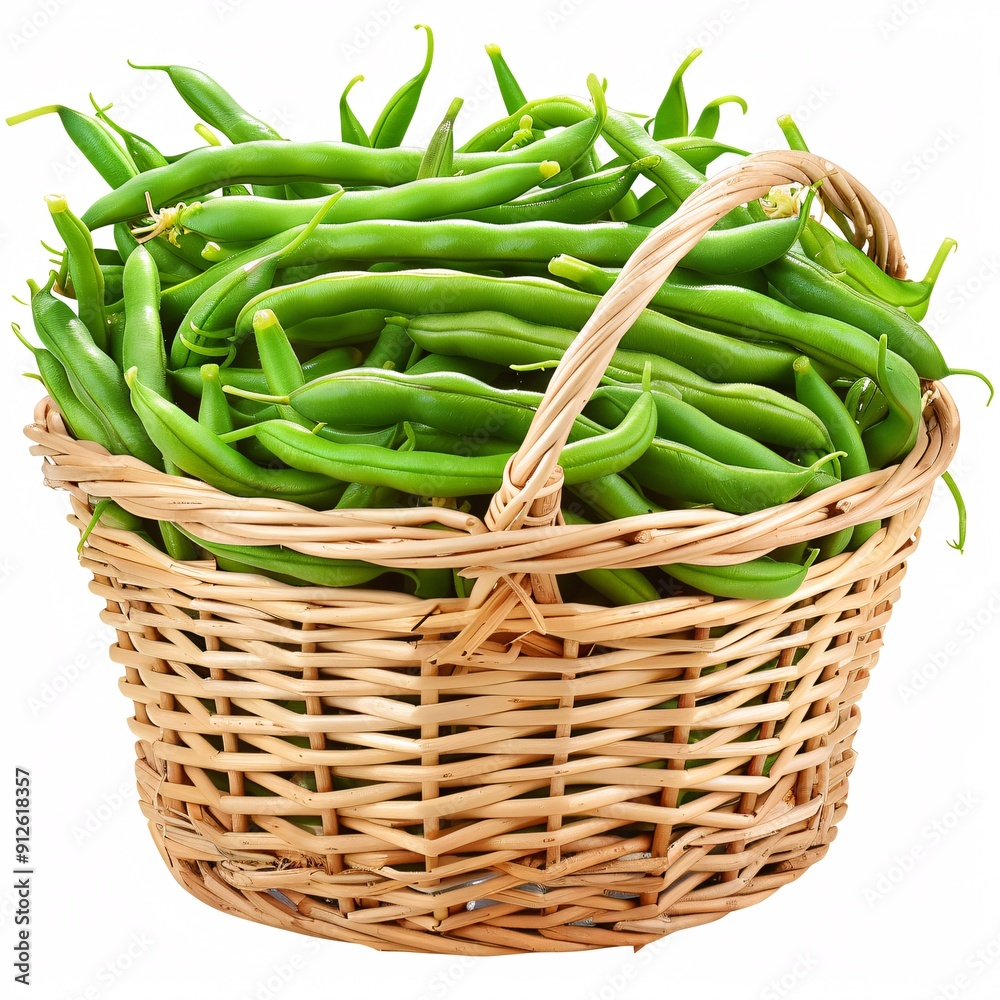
{"x":626,"y":208}
{"x":383,"y":437}
{"x":213,"y":406}
{"x":719,"y":252}
{"x":691,"y":351}
{"x":866,"y":403}
{"x":207,"y":99}
{"x":440,"y":583}
{"x":475,"y":441}
{"x":216,"y":414}
{"x":431,"y":363}
{"x":84,"y":269}
{"x":441,"y":475}
{"x":176,"y":301}
{"x":510,"y":91}
{"x":579,"y":201}
{"x":771,"y":413}
{"x":107,"y":512}
{"x":82,"y":423}
{"x":708,"y":121}
{"x":695,"y":151}
{"x":447,"y":400}
{"x":113,"y":276}
{"x":956,"y":494}
{"x":392,"y":350}
{"x":60,"y":259}
{"x":281,"y":365}
{"x":792,"y":134}
{"x":143,"y":153}
{"x":857,"y":269}
{"x":795,"y":141}
{"x":95,"y":378}
{"x":106,"y":256}
{"x":672,"y":115}
{"x":246,"y":412}
{"x":679,"y":171}
{"x":254,"y":218}
{"x":493,"y":136}
{"x":460,"y":239}
{"x":208,"y":169}
{"x":440,"y":153}
{"x":357,"y":496}
{"x":811,"y":287}
{"x":613,"y":497}
{"x":213,"y":140}
{"x":651,"y":198}
{"x":351,"y":130}
{"x":689,"y":475}
{"x":753,"y":280}
{"x":356,"y":326}
{"x":142,"y":343}
{"x":92,"y":139}
{"x":618,"y":586}
{"x":391,"y":125}
{"x":195,"y":450}
{"x":656,"y":214}
{"x":813,"y":391}
{"x":761,"y":579}
{"x":686,"y":424}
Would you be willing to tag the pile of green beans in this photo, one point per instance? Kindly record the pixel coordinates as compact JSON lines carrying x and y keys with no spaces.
{"x":370,"y":321}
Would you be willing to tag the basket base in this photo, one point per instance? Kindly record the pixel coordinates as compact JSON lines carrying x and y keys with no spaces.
{"x":777,"y":850}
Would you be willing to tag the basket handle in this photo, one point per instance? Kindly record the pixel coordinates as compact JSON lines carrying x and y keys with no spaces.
{"x":532,"y":474}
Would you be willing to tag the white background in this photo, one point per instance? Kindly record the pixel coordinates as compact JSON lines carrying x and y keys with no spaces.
{"x":900,"y":92}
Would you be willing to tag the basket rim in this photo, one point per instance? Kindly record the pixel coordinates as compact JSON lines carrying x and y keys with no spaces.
{"x":398,"y":538}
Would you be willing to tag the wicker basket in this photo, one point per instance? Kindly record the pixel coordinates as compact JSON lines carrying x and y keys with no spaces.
{"x":507,"y":773}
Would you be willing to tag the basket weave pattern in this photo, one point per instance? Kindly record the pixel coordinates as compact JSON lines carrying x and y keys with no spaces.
{"x":504,"y":773}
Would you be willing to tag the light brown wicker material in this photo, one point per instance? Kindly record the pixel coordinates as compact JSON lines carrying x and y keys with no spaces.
{"x":507,"y":773}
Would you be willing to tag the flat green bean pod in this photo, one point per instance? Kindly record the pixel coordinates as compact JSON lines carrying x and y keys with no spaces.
{"x":447,"y":400}
{"x":92,"y":139}
{"x":84,"y":268}
{"x":253,"y":218}
{"x":194,"y":449}
{"x":442,"y":475}
{"x":390,"y":128}
{"x":757,"y":409}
